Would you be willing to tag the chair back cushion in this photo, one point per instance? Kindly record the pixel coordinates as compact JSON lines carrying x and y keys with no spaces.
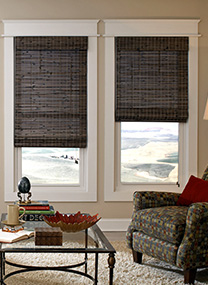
{"x":165,"y":223}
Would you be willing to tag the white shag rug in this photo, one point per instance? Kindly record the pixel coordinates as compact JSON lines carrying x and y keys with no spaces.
{"x":151,"y":271}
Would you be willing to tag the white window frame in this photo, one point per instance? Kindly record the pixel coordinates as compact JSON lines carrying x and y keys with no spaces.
{"x":113,"y":190}
{"x":87,"y":190}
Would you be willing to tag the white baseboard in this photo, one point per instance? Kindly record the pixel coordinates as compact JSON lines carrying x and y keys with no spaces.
{"x":114,"y":225}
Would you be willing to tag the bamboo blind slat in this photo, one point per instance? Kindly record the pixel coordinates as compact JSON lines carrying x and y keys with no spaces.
{"x":151,"y":79}
{"x":50,"y":92}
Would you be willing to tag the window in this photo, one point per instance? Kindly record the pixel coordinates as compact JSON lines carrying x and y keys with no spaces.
{"x":50,"y":107}
{"x":151,"y":89}
{"x":119,"y":186}
{"x":81,"y":162}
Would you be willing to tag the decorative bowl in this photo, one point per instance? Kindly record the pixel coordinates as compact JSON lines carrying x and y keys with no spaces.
{"x":71,"y":223}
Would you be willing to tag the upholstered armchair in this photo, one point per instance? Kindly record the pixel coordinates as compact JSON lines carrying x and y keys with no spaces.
{"x":162,"y":228}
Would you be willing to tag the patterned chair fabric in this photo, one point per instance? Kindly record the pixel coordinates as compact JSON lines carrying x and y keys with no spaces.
{"x":165,"y":223}
{"x":175,"y":234}
{"x":155,"y":247}
{"x":144,"y":200}
{"x":193,"y":250}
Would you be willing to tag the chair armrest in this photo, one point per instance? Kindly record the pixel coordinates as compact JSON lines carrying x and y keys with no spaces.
{"x":143,"y":200}
{"x":193,"y":251}
{"x":129,"y":235}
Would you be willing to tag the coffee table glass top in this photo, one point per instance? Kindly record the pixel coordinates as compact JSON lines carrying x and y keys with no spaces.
{"x":72,"y":242}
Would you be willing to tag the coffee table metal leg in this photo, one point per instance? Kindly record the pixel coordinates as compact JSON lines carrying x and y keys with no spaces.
{"x":111,"y":263}
{"x":86,"y":245}
{"x":96,"y":268}
{"x":2,"y":267}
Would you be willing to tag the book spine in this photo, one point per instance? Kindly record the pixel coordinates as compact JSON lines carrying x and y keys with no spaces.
{"x":44,"y":212}
{"x":37,"y":212}
{"x":33,"y":217}
{"x":33,"y":203}
{"x":33,"y":208}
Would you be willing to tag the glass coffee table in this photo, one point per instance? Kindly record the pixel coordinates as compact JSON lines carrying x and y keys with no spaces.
{"x":90,"y":241}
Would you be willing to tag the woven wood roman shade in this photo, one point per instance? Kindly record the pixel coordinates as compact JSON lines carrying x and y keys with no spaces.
{"x":151,"y":79}
{"x":50,"y":92}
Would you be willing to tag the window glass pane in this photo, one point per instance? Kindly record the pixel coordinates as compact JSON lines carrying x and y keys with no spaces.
{"x":51,"y":165}
{"x":149,"y":152}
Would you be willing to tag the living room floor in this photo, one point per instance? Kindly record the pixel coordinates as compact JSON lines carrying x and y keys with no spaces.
{"x":115,"y":236}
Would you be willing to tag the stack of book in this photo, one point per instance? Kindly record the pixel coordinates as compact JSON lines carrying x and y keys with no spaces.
{"x":35,"y":210}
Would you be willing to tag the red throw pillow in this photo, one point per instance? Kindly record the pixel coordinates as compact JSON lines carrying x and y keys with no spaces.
{"x":196,"y":190}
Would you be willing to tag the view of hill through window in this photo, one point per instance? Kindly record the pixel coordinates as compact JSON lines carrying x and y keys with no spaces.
{"x":51,"y":165}
{"x":149,"y":152}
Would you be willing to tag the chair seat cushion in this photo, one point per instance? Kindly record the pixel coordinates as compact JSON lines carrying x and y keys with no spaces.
{"x":155,"y":247}
{"x":165,"y":223}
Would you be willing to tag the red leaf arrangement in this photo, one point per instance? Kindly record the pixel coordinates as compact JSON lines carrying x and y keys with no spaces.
{"x":71,"y":223}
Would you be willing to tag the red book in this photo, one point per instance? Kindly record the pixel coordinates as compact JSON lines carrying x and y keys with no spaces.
{"x":38,"y":208}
